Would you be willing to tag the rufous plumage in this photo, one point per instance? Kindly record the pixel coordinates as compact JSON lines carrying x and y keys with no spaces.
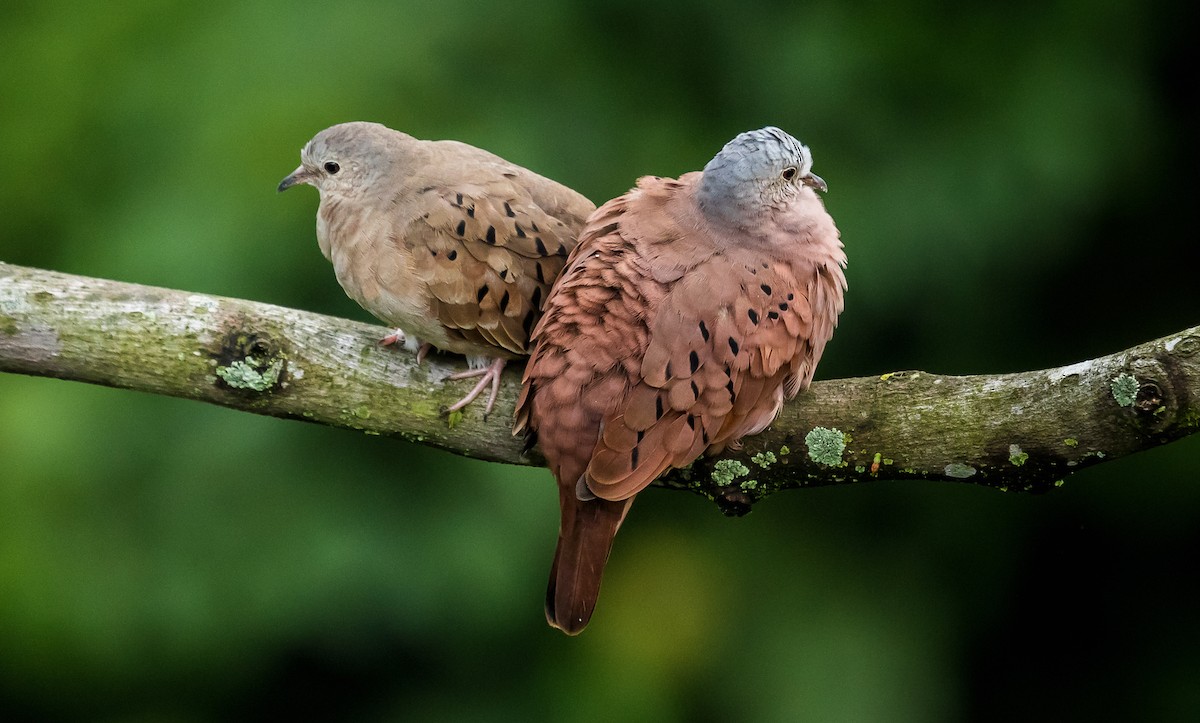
{"x":688,"y":312}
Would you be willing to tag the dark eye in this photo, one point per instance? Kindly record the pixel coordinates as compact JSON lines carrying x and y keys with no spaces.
{"x":331,"y":167}
{"x":789,"y":173}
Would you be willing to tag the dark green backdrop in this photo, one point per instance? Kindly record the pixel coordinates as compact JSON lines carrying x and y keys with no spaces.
{"x":1016,"y":188}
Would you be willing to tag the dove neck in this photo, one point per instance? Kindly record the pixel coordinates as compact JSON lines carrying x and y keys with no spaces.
{"x":737,"y":205}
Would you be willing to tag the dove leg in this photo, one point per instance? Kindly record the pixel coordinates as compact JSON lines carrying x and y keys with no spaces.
{"x":398,"y":337}
{"x":490,"y":374}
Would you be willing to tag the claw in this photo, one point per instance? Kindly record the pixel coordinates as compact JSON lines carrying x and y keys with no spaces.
{"x":489,"y":374}
{"x":396,"y":337}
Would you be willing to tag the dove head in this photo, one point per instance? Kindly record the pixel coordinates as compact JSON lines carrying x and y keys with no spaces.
{"x":348,"y":159}
{"x":755,"y":171}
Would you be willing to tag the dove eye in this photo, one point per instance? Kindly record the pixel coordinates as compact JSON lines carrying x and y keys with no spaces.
{"x":789,"y":173}
{"x":331,"y":167}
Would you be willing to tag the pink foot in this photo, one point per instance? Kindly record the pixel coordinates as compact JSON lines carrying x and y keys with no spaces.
{"x":397,"y":337}
{"x":490,"y":374}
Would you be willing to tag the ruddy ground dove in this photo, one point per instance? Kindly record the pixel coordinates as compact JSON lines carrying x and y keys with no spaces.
{"x":450,"y":244}
{"x":687,"y":313}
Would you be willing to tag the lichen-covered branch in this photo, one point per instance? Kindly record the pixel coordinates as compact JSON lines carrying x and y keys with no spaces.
{"x":1023,"y":431}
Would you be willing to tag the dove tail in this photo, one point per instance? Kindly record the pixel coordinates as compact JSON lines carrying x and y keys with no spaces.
{"x":584,"y":541}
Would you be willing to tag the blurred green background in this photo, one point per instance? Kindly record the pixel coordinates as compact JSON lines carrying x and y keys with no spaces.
{"x":1015,"y":185}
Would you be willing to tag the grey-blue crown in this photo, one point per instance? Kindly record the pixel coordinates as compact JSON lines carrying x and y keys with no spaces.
{"x":733,"y":178}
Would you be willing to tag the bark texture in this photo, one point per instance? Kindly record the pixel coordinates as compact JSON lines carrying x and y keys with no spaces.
{"x":1024,"y":431}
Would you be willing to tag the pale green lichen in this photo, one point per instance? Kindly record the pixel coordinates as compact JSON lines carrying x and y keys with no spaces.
{"x":749,"y":485}
{"x":244,"y":375}
{"x":1058,"y":483}
{"x":959,"y":470}
{"x":764,"y":459}
{"x":454,"y":418}
{"x":784,"y":451}
{"x":1124,"y":389}
{"x":1016,"y":455}
{"x":1071,"y":442}
{"x":726,"y":470}
{"x":825,"y":446}
{"x":859,"y":468}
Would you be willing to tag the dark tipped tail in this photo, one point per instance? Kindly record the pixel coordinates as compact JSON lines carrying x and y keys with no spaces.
{"x":584,"y":541}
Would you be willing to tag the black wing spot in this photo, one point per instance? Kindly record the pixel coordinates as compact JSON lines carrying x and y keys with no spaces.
{"x":541,"y":247}
{"x":527,"y":322}
{"x":452,"y":255}
{"x":461,"y":228}
{"x":541,"y":277}
{"x":753,"y":316}
{"x":692,"y":421}
{"x":433,"y":251}
{"x":504,"y":274}
{"x":703,"y":331}
{"x":733,"y":346}
{"x":765,"y":289}
{"x":658,"y":409}
{"x":508,"y":210}
{"x":772,"y":314}
{"x":491,"y":235}
{"x":483,"y":290}
{"x":533,"y":226}
{"x":791,"y":296}
{"x":520,"y":231}
{"x":633,"y":456}
{"x":695,"y":390}
{"x":783,"y":306}
{"x":694,"y":361}
{"x":504,"y":302}
{"x":458,"y":199}
{"x":729,"y":386}
{"x":471,"y":211}
{"x":641,"y":433}
{"x":536,"y":299}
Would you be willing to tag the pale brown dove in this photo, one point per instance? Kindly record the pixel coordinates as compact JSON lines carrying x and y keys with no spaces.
{"x":453,"y":246}
{"x":688,"y":311}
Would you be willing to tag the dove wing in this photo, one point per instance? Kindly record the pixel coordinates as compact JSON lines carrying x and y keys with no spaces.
{"x":488,"y":255}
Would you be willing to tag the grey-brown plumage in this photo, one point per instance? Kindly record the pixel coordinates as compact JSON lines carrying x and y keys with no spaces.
{"x":453,"y":246}
{"x":687,"y":313}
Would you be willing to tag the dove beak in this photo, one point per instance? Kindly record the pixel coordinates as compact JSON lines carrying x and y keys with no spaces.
{"x":811,"y":180}
{"x":300,"y":175}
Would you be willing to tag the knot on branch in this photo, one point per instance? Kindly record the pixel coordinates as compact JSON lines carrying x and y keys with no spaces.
{"x":251,"y":363}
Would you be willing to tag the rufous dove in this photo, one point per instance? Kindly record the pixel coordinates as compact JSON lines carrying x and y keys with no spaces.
{"x":687,"y":313}
{"x":453,"y":246}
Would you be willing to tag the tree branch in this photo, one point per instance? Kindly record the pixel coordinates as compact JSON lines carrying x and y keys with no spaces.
{"x":1022,"y":431}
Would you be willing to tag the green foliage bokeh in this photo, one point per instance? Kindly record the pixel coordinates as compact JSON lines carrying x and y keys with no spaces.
{"x":1014,"y":187}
